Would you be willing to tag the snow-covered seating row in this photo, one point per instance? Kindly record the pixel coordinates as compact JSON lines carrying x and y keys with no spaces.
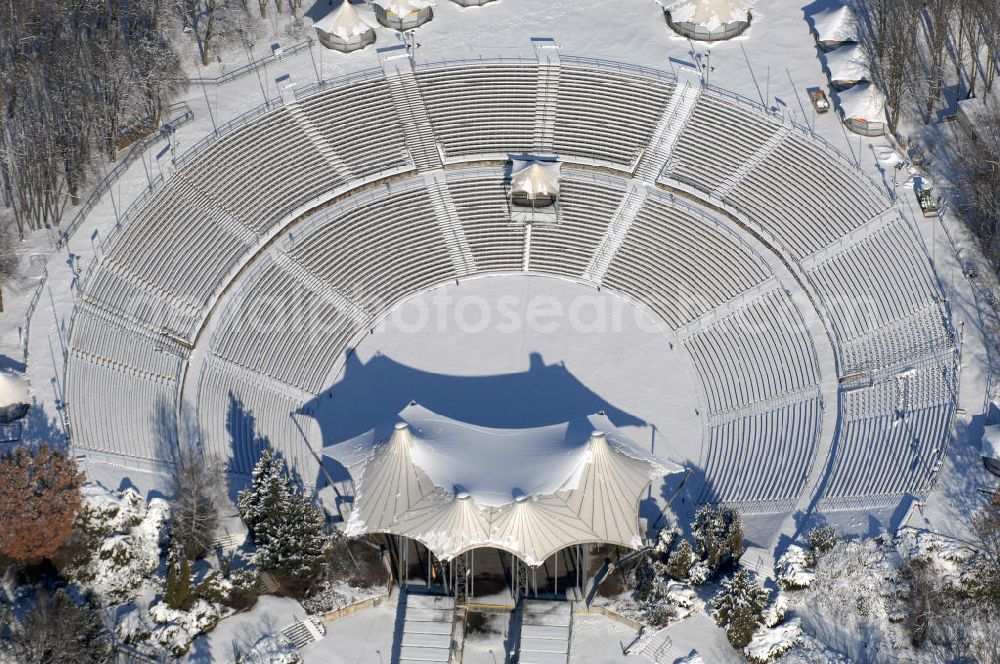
{"x":754,"y":355}
{"x":496,"y":246}
{"x":880,"y":280}
{"x":893,"y":434}
{"x":819,"y":200}
{"x":379,"y":253}
{"x":287,"y":327}
{"x":360,"y":124}
{"x":240,"y":414}
{"x":606,"y":116}
{"x":586,"y":207}
{"x":762,"y":457}
{"x":486,"y":109}
{"x":117,"y":409}
{"x":680,"y":264}
{"x":121,"y":383}
{"x":717,"y":138}
{"x":922,"y":334}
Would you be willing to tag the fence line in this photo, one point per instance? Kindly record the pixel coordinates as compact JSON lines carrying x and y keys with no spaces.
{"x":243,"y":70}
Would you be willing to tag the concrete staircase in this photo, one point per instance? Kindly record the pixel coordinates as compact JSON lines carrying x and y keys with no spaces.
{"x":661,"y":145}
{"x":546,"y":632}
{"x":417,"y":130}
{"x":615,"y":234}
{"x":451,"y":226}
{"x":426,"y":633}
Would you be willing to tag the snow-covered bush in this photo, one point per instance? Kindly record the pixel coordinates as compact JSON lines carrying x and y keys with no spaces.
{"x":792,"y":569}
{"x":820,"y":541}
{"x":124,"y":536}
{"x":767,"y":644}
{"x":175,"y":630}
{"x":776,"y":610}
{"x":699,"y":573}
{"x":271,"y":650}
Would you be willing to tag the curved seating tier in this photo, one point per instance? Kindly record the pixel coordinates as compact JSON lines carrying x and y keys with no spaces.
{"x":239,"y":414}
{"x":759,"y":461}
{"x":379,"y":236}
{"x":606,"y":116}
{"x":755,"y":355}
{"x":717,"y":138}
{"x":481,"y":109}
{"x":679,"y":266}
{"x":893,"y":434}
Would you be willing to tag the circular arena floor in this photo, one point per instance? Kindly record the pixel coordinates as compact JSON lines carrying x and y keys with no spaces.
{"x":770,"y":318}
{"x":522,"y":351}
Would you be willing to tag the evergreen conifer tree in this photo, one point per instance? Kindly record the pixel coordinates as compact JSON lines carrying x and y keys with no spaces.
{"x":739,"y":608}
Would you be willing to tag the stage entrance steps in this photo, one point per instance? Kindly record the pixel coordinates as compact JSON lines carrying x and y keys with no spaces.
{"x":426,"y":634}
{"x":546,"y":631}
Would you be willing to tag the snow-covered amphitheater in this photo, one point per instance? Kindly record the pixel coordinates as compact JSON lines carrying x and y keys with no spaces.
{"x":811,"y":349}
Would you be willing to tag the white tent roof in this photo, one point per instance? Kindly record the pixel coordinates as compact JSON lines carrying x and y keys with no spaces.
{"x":847,"y":63}
{"x":14,"y":389}
{"x":709,"y":14}
{"x":991,"y":441}
{"x":863,"y":102}
{"x":404,"y":7}
{"x":456,"y":486}
{"x":837,"y":24}
{"x":345,"y":22}
{"x":535,"y":177}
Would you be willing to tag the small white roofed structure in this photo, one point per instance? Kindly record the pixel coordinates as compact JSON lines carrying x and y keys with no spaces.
{"x":15,"y":396}
{"x":344,"y":29}
{"x":847,"y":65}
{"x":707,"y":20}
{"x":455,"y":486}
{"x":991,"y":448}
{"x":534,"y":190}
{"x":862,"y":108}
{"x":403,"y":14}
{"x":834,"y":27}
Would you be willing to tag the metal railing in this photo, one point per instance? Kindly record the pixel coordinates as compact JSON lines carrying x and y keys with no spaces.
{"x":243,"y":70}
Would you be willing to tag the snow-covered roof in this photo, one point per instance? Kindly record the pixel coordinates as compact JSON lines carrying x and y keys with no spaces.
{"x":847,"y":63}
{"x":14,"y":389}
{"x":535,"y":177}
{"x":456,"y":486}
{"x":345,"y":22}
{"x":863,"y":102}
{"x":709,"y":14}
{"x":991,"y":441}
{"x":837,"y":24}
{"x":404,"y":7}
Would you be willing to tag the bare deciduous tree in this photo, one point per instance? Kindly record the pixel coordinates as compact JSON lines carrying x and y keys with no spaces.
{"x":197,"y":484}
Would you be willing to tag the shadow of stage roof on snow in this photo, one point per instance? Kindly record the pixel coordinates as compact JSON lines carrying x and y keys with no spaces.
{"x":372,"y":392}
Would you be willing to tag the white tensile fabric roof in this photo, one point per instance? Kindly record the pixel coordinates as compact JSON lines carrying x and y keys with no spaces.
{"x":14,"y":389}
{"x":535,"y":177}
{"x":404,"y":7}
{"x":835,"y":25}
{"x":863,"y":102}
{"x":455,"y":486}
{"x":991,"y":441}
{"x":847,"y":63}
{"x":345,"y":22}
{"x":709,"y":14}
